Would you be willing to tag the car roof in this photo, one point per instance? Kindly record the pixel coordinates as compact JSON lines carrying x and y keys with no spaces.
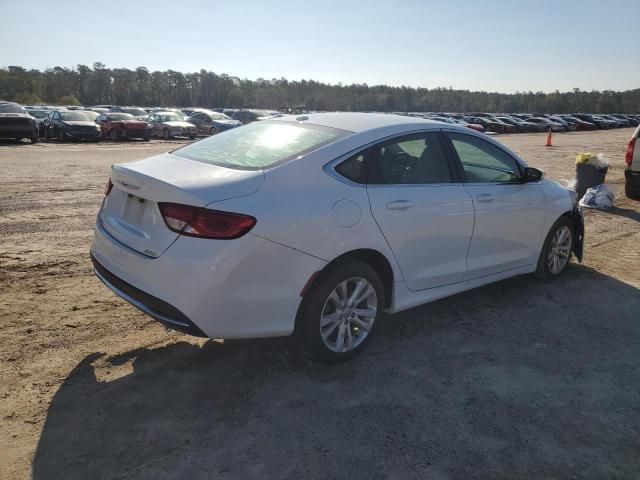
{"x":356,"y":122}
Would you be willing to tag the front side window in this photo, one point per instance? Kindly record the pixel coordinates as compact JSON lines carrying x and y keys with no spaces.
{"x":260,"y":145}
{"x":415,"y":159}
{"x":482,"y":161}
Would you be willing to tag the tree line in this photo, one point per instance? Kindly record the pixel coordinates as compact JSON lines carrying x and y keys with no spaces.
{"x":98,"y":85}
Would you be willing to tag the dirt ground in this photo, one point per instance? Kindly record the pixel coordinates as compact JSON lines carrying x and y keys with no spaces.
{"x":519,"y":379}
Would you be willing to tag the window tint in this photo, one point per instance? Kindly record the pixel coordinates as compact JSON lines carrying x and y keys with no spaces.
{"x":353,"y":168}
{"x":416,"y":159}
{"x":484,"y":162}
{"x":260,"y":145}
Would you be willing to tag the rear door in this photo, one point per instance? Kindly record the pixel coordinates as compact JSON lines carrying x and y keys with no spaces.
{"x":422,"y":208}
{"x":509,"y":214}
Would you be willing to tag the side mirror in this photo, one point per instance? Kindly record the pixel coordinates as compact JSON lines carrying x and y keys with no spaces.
{"x":532,"y":175}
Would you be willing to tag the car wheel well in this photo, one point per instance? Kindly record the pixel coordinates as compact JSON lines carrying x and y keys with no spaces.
{"x":371,"y":257}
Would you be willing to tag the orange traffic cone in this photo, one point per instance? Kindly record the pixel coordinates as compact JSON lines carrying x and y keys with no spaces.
{"x":549,"y":143}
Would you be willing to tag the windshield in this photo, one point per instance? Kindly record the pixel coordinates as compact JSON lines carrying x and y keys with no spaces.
{"x":73,"y":116}
{"x":135,"y":111}
{"x":218,"y":116}
{"x":260,"y":145}
{"x":120,"y":116}
{"x":38,"y":113}
{"x":11,"y":108}
{"x":170,"y":117}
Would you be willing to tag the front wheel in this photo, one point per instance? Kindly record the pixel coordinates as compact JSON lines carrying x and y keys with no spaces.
{"x":338,"y":315}
{"x":556,"y":250}
{"x":114,"y":134}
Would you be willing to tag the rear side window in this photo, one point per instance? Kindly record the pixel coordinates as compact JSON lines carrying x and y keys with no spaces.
{"x":260,"y":145}
{"x":415,"y":159}
{"x":482,"y":161}
{"x":353,"y":168}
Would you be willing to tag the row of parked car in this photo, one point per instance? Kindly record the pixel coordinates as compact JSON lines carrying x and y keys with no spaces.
{"x":121,"y":122}
{"x":117,"y":122}
{"x":529,"y":122}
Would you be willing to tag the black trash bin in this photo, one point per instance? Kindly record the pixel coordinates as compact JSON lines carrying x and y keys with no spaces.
{"x":589,"y":175}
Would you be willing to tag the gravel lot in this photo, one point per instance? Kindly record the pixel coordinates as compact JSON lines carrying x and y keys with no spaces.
{"x":519,"y":379}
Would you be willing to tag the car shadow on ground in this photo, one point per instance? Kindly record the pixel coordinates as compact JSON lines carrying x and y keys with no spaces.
{"x":625,"y":212}
{"x":516,"y":379}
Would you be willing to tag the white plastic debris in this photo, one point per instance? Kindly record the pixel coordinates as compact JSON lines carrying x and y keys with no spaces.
{"x":601,"y":197}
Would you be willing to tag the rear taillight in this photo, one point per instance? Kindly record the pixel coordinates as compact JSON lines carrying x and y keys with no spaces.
{"x":628,"y":157}
{"x":205,"y":223}
{"x":108,"y":187}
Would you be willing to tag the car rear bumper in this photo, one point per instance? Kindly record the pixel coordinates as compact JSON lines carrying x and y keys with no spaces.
{"x":632,"y":177}
{"x":18,"y":131}
{"x":152,"y":306}
{"x":243,"y":288}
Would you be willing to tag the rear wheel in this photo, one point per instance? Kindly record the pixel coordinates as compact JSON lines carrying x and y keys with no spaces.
{"x":556,"y":250}
{"x":338,"y":316}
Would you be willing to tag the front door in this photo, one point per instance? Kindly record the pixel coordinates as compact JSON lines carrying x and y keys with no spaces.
{"x":510,"y":214}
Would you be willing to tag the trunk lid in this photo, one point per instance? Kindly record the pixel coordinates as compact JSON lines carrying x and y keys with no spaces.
{"x":130,"y":212}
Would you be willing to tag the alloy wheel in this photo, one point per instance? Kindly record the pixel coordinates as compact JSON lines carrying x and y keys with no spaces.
{"x":348,"y":314}
{"x":559,"y":250}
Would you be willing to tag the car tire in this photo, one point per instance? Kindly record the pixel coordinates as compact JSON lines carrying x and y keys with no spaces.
{"x":193,"y":137}
{"x":34,"y":139}
{"x":213,"y":131}
{"x":165,"y":134}
{"x":60,"y":135}
{"x":114,"y":134}
{"x":327,"y":326}
{"x":556,"y":251}
{"x":147,"y":138}
{"x":631,"y":191}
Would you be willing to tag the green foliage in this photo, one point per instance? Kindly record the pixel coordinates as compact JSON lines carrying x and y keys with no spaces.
{"x":68,"y":100}
{"x":27,"y":99}
{"x":120,"y":86}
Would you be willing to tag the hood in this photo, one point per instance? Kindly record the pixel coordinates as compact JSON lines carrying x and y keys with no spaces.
{"x":80,"y":123}
{"x":227,"y":122}
{"x":178,"y":123}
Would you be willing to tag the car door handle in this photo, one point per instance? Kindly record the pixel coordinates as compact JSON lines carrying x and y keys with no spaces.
{"x":400,"y":205}
{"x":485,"y":198}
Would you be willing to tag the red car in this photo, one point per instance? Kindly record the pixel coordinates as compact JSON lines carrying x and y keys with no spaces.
{"x":118,"y":126}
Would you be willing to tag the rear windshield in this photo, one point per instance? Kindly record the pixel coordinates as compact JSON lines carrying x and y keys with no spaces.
{"x":11,"y":108}
{"x":260,"y":144}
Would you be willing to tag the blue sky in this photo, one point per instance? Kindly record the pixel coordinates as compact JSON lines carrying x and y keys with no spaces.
{"x":494,"y":45}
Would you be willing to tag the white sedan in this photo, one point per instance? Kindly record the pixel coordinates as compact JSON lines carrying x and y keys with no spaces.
{"x":319,"y":223}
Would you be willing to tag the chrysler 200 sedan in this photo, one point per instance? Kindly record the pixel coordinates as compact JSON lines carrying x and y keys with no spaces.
{"x":317,"y":224}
